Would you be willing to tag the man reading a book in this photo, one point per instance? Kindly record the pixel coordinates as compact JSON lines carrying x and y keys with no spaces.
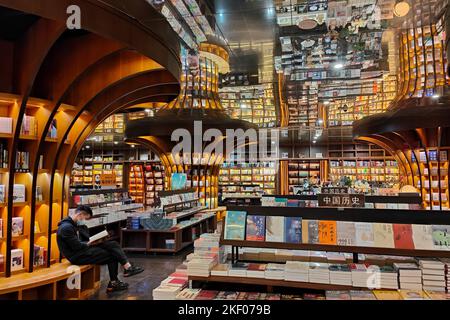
{"x":79,"y":248}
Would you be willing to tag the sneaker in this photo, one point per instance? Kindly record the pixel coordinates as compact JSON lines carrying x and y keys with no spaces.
{"x":133,"y":270}
{"x":116,"y":286}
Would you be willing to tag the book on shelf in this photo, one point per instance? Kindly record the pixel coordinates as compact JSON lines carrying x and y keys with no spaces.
{"x":327,"y":232}
{"x":275,"y":229}
{"x":6,"y":125}
{"x":1,"y":228}
{"x":2,"y":193}
{"x":441,"y":237}
{"x":364,"y":234}
{"x":293,"y":230}
{"x":403,"y":237}
{"x":16,"y":259}
{"x":387,"y":295}
{"x":39,"y":256}
{"x":52,"y":131}
{"x":22,"y":161}
{"x":310,"y":231}
{"x":346,"y":233}
{"x":383,"y":235}
{"x":235,"y":225}
{"x":3,"y":155}
{"x":17,"y":226}
{"x":256,"y":227}
{"x":19,"y":193}
{"x":29,"y":126}
{"x":422,"y":237}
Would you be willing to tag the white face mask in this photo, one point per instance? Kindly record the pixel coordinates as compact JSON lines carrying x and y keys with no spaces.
{"x":81,"y":223}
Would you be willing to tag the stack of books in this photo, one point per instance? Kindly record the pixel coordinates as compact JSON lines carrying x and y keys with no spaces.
{"x":296,"y":271}
{"x":165,"y":292}
{"x":207,"y":295}
{"x":410,"y":276}
{"x":220,"y":270}
{"x":319,"y":272}
{"x":340,"y":274}
{"x":388,"y":278}
{"x":433,"y":275}
{"x":256,"y":270}
{"x":361,"y":275}
{"x":274,"y":271}
{"x":446,"y":262}
{"x":207,"y":244}
{"x":188,"y":294}
{"x":201,"y":267}
{"x":238,"y":269}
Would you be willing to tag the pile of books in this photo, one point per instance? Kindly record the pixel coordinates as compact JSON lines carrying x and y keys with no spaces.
{"x":238,"y":269}
{"x":201,"y":266}
{"x":220,"y":270}
{"x":274,"y":271}
{"x":410,"y":276}
{"x":256,"y":270}
{"x":446,"y":262}
{"x":296,"y":271}
{"x":433,"y":275}
{"x":340,"y":274}
{"x":387,"y":278}
{"x":172,"y":286}
{"x":209,"y":243}
{"x":360,"y":275}
{"x":319,"y":272}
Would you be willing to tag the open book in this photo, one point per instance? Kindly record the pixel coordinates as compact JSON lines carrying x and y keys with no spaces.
{"x":98,"y":236}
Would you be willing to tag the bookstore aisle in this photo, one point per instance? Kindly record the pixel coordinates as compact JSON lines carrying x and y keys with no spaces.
{"x":235,"y":150}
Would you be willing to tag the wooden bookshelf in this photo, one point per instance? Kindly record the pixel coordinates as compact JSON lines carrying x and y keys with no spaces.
{"x":261,"y":174}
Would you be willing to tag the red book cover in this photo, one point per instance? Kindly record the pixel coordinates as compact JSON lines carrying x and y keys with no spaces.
{"x":403,"y":236}
{"x":177,"y":281}
{"x":206,"y":295}
{"x":256,"y":267}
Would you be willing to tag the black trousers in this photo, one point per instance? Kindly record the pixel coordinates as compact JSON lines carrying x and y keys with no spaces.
{"x":108,"y":252}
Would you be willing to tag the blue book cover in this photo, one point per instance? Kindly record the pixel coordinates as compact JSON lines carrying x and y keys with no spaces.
{"x":293,"y":230}
{"x":256,"y":228}
{"x":235,"y":225}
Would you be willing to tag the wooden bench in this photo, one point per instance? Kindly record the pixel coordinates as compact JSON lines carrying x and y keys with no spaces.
{"x":51,"y":283}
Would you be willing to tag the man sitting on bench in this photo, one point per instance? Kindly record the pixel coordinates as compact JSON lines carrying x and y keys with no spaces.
{"x":73,"y":243}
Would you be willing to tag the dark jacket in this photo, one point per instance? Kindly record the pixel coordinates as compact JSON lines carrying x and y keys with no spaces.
{"x":72,"y":240}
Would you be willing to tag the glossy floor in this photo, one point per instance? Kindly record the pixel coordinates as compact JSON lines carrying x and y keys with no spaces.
{"x":157,"y":268}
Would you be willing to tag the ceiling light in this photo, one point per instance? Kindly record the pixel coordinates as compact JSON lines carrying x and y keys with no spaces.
{"x":326,"y":102}
{"x":338,"y":66}
{"x":133,"y":146}
{"x":401,"y":8}
{"x":148,"y":110}
{"x":314,"y":141}
{"x":88,"y":147}
{"x":435,"y":96}
{"x":320,"y":121}
{"x":116,"y":142}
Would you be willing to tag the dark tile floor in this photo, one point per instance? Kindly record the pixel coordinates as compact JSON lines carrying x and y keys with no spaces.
{"x":157,"y":268}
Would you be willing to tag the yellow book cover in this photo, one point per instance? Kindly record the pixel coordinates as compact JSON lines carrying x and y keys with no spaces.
{"x":387,"y":295}
{"x":413,"y":294}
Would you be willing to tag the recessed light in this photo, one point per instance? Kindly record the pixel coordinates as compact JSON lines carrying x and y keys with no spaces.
{"x":133,"y":146}
{"x":435,"y":96}
{"x":116,"y":142}
{"x":326,"y":102}
{"x":338,"y":66}
{"x":401,"y":8}
{"x":88,"y":147}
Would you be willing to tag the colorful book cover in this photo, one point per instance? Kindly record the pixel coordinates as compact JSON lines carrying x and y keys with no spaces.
{"x":293,"y":230}
{"x":441,"y":236}
{"x":364,"y":234}
{"x":422,"y":237}
{"x":327,"y":232}
{"x":403,"y":237}
{"x":235,"y":225}
{"x":274,"y":229}
{"x":256,"y":228}
{"x":383,"y":234}
{"x":346,"y":233}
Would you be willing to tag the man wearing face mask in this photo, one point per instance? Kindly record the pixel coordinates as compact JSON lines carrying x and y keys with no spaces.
{"x":73,"y":242}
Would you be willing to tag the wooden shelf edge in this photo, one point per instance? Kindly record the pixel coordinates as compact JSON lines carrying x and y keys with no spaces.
{"x":274,"y":283}
{"x":336,"y":248}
